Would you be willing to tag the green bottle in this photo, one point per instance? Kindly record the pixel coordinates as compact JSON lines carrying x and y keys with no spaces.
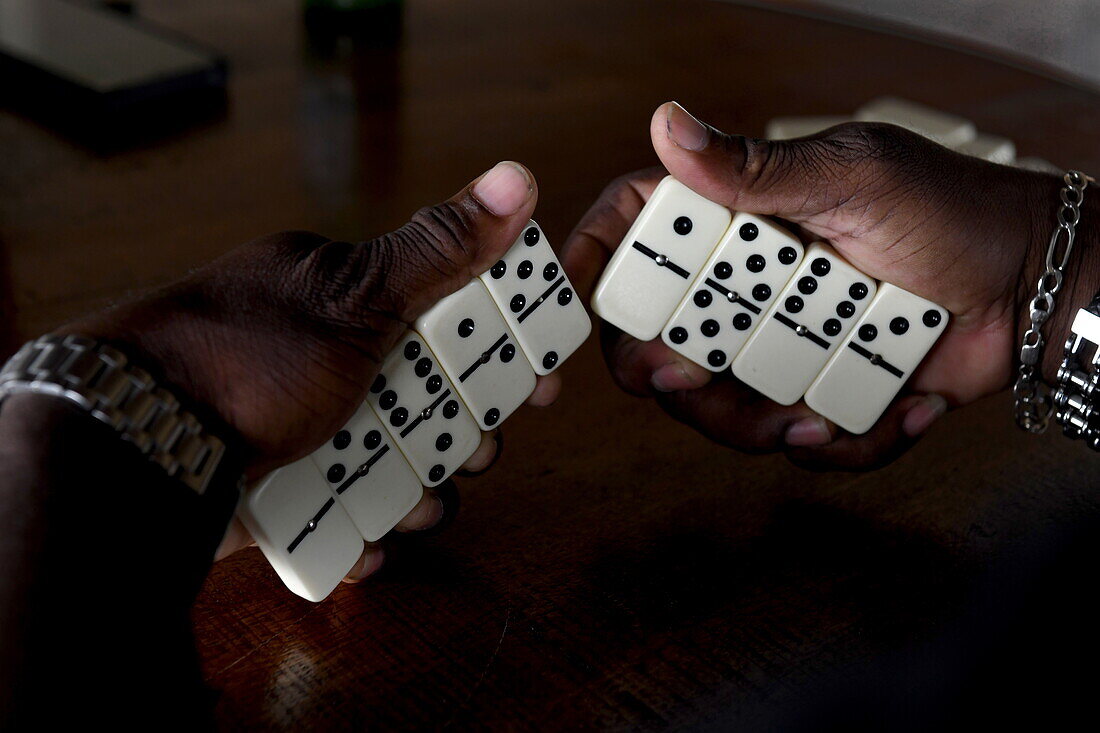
{"x":374,"y":21}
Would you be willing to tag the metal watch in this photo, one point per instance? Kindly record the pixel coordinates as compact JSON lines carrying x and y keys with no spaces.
{"x":99,"y":379}
{"x":1077,"y":396}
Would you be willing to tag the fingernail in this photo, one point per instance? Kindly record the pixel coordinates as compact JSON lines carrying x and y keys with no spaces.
{"x":809,"y":431}
{"x":921,"y":415}
{"x":424,"y":516}
{"x":671,"y":378}
{"x":430,"y":516}
{"x":372,"y":560}
{"x":684,"y":130}
{"x":504,"y":188}
{"x":482,"y":459}
{"x":434,"y":514}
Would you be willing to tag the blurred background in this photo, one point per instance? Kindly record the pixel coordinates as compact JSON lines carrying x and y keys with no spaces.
{"x":212,"y":122}
{"x":1057,"y":36}
{"x":615,"y":569}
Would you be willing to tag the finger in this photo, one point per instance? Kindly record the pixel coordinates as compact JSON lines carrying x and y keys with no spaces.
{"x":236,"y":538}
{"x":598,"y":234}
{"x":369,"y":562}
{"x":492,"y":443}
{"x":919,"y":418}
{"x":794,"y":179}
{"x":399,"y":275}
{"x":810,"y":432}
{"x":427,"y":513}
{"x":732,"y":414}
{"x":435,"y":511}
{"x":644,"y":368}
{"x":547,"y":390}
{"x":894,"y":433}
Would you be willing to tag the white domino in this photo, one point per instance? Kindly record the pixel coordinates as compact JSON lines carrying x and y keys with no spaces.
{"x":368,"y":474}
{"x":538,"y":301}
{"x":1039,"y":165}
{"x":477,"y":350}
{"x":877,"y":358}
{"x":946,"y":129}
{"x":422,"y":411}
{"x":740,"y":281}
{"x":301,"y":529}
{"x":805,"y":325}
{"x":993,"y":148}
{"x":786,"y":128}
{"x":658,"y":259}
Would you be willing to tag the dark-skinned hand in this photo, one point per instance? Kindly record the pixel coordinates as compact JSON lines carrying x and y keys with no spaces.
{"x":964,"y":233}
{"x":282,"y":337}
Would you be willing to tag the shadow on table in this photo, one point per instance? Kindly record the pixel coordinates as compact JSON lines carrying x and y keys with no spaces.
{"x":1016,"y":652}
{"x":808,"y":554}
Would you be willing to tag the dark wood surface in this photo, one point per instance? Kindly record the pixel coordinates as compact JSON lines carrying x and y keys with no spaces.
{"x":615,"y":569}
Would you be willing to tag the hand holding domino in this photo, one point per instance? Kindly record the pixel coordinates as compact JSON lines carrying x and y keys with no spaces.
{"x":912,"y":231}
{"x":760,"y":303}
{"x":896,"y":210}
{"x":466,"y":365}
{"x":283,"y":339}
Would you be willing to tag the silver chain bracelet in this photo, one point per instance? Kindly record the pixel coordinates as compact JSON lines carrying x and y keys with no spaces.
{"x":1033,"y":399}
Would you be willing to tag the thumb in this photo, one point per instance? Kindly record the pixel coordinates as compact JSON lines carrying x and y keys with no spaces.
{"x":794,"y":179}
{"x":401,"y":274}
{"x":444,"y":246}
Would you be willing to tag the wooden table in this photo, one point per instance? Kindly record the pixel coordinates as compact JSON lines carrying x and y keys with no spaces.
{"x":615,"y":569}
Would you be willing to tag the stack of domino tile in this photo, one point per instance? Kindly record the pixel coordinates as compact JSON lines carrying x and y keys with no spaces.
{"x":464,"y":367}
{"x":733,"y":291}
{"x":949,"y":130}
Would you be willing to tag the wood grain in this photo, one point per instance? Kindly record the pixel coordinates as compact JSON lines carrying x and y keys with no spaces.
{"x":615,"y":569}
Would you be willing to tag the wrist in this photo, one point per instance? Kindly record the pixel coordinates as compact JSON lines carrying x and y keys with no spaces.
{"x":163,"y":347}
{"x":1079,"y":286}
{"x":1081,"y":277}
{"x":88,"y":520}
{"x":49,"y":443}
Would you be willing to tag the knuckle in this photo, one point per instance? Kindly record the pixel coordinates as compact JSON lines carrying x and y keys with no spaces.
{"x":856,"y":164}
{"x":440,"y":236}
{"x":354,"y":285}
{"x":762,"y":165}
{"x":864,"y":139}
{"x":292,"y":244}
{"x":627,"y":370}
{"x":809,"y":459}
{"x":848,"y":155}
{"x":267,"y":259}
{"x":755,"y":160}
{"x":628,"y":190}
{"x":618,"y":188}
{"x":621,"y":189}
{"x":860,"y":455}
{"x":387,"y":278}
{"x":745,"y":440}
{"x":870,"y":144}
{"x":621,"y":198}
{"x":627,"y":376}
{"x":621,"y":185}
{"x":710,"y":412}
{"x":755,"y":441}
{"x":820,"y":460}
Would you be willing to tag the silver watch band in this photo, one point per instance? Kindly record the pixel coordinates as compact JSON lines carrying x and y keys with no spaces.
{"x":1077,"y":396}
{"x":99,"y":380}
